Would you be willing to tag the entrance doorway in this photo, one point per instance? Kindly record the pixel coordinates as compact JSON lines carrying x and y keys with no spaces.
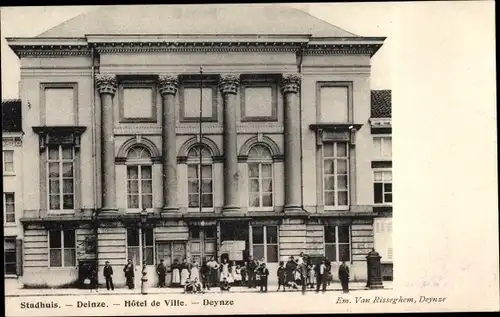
{"x":203,"y":241}
{"x":169,"y":251}
{"x":234,"y":240}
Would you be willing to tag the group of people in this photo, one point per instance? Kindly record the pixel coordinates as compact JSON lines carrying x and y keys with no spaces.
{"x":297,"y":271}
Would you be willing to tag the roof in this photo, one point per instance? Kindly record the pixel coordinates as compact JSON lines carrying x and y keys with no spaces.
{"x":381,"y":104}
{"x":11,"y":115}
{"x":214,"y":19}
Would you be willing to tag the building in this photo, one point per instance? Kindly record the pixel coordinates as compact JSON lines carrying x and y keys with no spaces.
{"x":282,"y":165}
{"x":381,"y":129}
{"x":12,"y":147}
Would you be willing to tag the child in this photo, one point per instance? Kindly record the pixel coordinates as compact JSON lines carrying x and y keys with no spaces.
{"x":281,"y":276}
{"x":264,"y":273}
{"x":236,"y":272}
{"x":224,"y":285}
{"x":188,"y":286}
{"x":310,"y":276}
{"x":198,"y":288}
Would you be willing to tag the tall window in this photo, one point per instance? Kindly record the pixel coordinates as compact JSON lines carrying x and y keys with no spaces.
{"x":338,"y":243}
{"x":260,"y":178}
{"x":200,"y":178}
{"x":383,"y":147}
{"x":61,"y":178}
{"x":8,"y":161}
{"x":9,"y":207}
{"x":265,"y":243}
{"x":9,"y":256}
{"x":139,"y":179}
{"x":62,"y":251}
{"x":140,"y":246}
{"x":382,"y":187}
{"x":336,"y":174}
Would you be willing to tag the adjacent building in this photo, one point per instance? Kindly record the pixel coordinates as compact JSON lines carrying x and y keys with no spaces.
{"x":115,"y":166}
{"x":12,"y":171}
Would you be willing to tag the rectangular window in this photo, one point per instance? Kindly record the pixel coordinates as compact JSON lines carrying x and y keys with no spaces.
{"x":336,"y":174}
{"x":140,"y":246}
{"x":9,"y":257}
{"x":138,"y":103}
{"x":383,"y":147}
{"x":190,"y":110}
{"x":382,"y":187}
{"x":59,"y":106}
{"x":61,"y":179}
{"x":334,"y":104}
{"x":8,"y":161}
{"x":338,"y":243}
{"x":139,"y":187}
{"x":9,"y":207}
{"x":260,"y":178}
{"x":62,"y":248}
{"x":195,"y":183}
{"x":265,"y":243}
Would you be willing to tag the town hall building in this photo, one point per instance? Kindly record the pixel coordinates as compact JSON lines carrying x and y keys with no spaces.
{"x":172,"y":132}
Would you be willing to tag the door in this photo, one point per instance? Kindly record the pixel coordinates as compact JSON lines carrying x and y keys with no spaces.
{"x":169,"y":251}
{"x":203,"y":243}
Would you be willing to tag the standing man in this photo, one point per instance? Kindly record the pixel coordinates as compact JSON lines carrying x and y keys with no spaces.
{"x":108,"y":276}
{"x":205,"y":275}
{"x":214,"y":269}
{"x":251,"y":270}
{"x":129,"y":274}
{"x":302,"y":269}
{"x":321,"y":275}
{"x":344,"y":277}
{"x":161,"y":270}
{"x":264,"y":273}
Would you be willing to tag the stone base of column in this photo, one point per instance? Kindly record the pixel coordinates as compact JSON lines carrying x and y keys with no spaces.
{"x":293,"y":209}
{"x":169,"y":209}
{"x":227,"y":209}
{"x":108,"y":210}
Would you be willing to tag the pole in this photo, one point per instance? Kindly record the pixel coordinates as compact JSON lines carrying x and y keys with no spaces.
{"x":201,"y":135}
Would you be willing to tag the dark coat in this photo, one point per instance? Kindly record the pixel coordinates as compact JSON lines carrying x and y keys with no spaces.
{"x":281,"y":275}
{"x":107,"y":271}
{"x":264,"y":272}
{"x":343,"y":272}
{"x":161,"y":269}
{"x":205,"y":270}
{"x":129,"y":270}
{"x":251,"y":266}
{"x":290,"y":268}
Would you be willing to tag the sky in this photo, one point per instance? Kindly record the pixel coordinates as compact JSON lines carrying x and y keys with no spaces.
{"x":363,"y":19}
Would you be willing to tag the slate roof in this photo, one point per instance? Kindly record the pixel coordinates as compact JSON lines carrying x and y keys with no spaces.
{"x":381,"y":104}
{"x":11,"y":115}
{"x":213,"y":19}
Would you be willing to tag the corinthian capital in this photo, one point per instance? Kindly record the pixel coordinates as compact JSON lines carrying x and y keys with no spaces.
{"x":229,"y":84}
{"x":168,"y":84}
{"x":106,"y":83}
{"x":290,"y":83}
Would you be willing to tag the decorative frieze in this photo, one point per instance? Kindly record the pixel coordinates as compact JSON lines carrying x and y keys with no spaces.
{"x":290,"y":83}
{"x":59,"y":135}
{"x":168,"y":84}
{"x":106,"y":83}
{"x":229,"y":84}
{"x":12,"y":141}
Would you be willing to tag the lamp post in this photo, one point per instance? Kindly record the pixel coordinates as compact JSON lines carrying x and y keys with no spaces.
{"x":144,"y":278}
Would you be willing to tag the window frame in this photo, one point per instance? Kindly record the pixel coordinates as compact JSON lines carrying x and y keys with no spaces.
{"x":4,"y":257}
{"x":142,"y":237}
{"x":380,"y":154}
{"x":262,"y":82}
{"x":139,"y":163}
{"x":335,"y":175}
{"x":382,"y":170}
{"x":62,"y":248}
{"x":265,"y":243}
{"x":259,"y":162}
{"x":196,"y":161}
{"x":60,"y":161}
{"x":137,"y":84}
{"x":195,"y":84}
{"x":337,"y":243}
{"x":56,"y":85}
{"x":9,"y":223}
{"x":6,"y":172}
{"x":335,"y":84}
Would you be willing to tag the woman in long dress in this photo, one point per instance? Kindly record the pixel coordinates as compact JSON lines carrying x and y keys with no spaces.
{"x":236,"y":273}
{"x":184,"y":272}
{"x":195,"y":272}
{"x":176,"y":273}
{"x":225,"y":272}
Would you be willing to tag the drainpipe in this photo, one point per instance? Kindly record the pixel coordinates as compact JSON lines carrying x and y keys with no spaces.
{"x":299,"y":68}
{"x":94,"y":165}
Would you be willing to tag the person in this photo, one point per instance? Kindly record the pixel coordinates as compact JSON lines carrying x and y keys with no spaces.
{"x":243,"y":271}
{"x":108,"y":276}
{"x":344,"y":277}
{"x":129,"y":274}
{"x":176,"y":273}
{"x":236,"y":273}
{"x":264,"y":273}
{"x":93,"y":280}
{"x":224,"y":285}
{"x":251,"y":267}
{"x":188,"y":286}
{"x":184,"y":268}
{"x":311,"y":276}
{"x":329,"y":276}
{"x":214,"y":269}
{"x":205,"y":275}
{"x":302,"y":270}
{"x":194,"y":273}
{"x":290,"y":267}
{"x":321,"y":275}
{"x":198,"y":288}
{"x":300,"y":258}
{"x":161,"y":270}
{"x":225,"y":271}
{"x":281,"y":276}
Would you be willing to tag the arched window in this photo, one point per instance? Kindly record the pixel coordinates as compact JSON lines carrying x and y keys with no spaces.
{"x":200,"y":177}
{"x":260,"y":178}
{"x":139,"y":178}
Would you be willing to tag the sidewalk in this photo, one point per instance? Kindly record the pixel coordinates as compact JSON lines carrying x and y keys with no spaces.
{"x":353,"y":286}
